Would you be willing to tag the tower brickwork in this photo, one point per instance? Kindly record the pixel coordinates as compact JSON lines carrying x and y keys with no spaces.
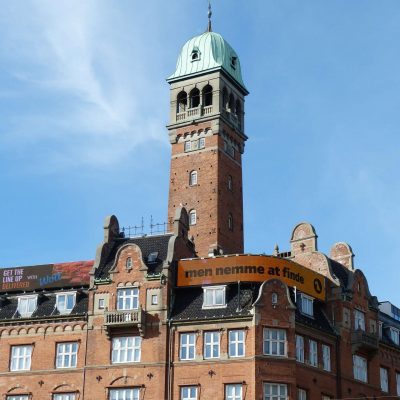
{"x":206,"y":132}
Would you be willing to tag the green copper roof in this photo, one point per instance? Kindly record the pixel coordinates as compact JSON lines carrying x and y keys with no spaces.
{"x":207,"y":52}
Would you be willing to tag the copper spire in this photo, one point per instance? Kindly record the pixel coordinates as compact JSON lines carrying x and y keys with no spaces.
{"x":209,"y":16}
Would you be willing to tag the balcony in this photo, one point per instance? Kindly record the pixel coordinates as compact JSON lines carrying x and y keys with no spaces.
{"x":361,"y":340}
{"x":194,"y":113}
{"x":125,"y":319}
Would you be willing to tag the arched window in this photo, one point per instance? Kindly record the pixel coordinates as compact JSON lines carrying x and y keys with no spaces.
{"x":231,"y":103}
{"x":192,"y":217}
{"x":207,"y":96}
{"x":230,"y":182}
{"x":181,"y":102}
{"x":230,"y":222}
{"x":128,"y":263}
{"x":193,"y":178}
{"x":224,"y":99}
{"x":239,"y":112}
{"x":195,"y":54}
{"x":194,"y":98}
{"x":274,"y":298}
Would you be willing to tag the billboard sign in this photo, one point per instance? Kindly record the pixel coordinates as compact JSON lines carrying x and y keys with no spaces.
{"x":250,"y":268}
{"x":45,"y":276}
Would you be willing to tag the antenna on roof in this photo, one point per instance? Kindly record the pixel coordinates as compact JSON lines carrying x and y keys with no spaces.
{"x":209,"y":16}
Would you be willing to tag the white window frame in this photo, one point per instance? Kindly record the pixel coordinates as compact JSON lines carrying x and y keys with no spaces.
{"x":65,"y":309}
{"x":67,"y":355}
{"x":274,"y":340}
{"x":202,"y":143}
{"x":128,"y":263}
{"x":307,"y":305}
{"x":300,"y":348}
{"x":233,"y":391}
{"x":359,"y":320}
{"x":129,"y":301}
{"x":193,"y":178}
{"x":126,"y":349}
{"x":214,"y":296}
{"x":301,"y":394}
{"x":192,"y":217}
{"x":64,"y":396}
{"x":27,"y":305}
{"x":124,"y":394}
{"x":326,"y":357}
{"x":21,"y":354}
{"x":188,"y":146}
{"x":212,"y":344}
{"x":384,"y":379}
{"x":236,"y":345}
{"x":360,"y":368}
{"x":188,"y":393}
{"x":313,"y":353}
{"x":395,"y":335}
{"x":275,"y":391}
{"x":18,"y":397}
{"x":187,"y":350}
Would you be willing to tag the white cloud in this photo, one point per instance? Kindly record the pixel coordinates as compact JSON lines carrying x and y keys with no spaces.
{"x":80,"y":80}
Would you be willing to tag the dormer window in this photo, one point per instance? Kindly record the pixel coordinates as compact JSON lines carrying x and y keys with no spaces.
{"x":395,"y":335}
{"x":66,"y":302}
{"x":214,"y":297}
{"x":306,"y":304}
{"x":128,"y":263}
{"x":195,"y":54}
{"x":27,"y":305}
{"x":233,"y":62}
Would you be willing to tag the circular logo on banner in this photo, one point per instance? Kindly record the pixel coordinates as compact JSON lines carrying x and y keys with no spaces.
{"x":317,"y":285}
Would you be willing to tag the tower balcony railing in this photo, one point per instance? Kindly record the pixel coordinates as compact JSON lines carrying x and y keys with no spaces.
{"x":193,"y":113}
{"x":361,"y":340}
{"x":125,"y":319}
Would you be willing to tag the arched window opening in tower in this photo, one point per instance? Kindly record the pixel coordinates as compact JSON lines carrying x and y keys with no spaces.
{"x":194,"y":98}
{"x":230,"y":222}
{"x":238,"y":112}
{"x":224,"y":99}
{"x":207,"y":96}
{"x":193,"y":178}
{"x":231,"y":104}
{"x":181,"y":102}
{"x":192,"y":217}
{"x":195,"y":55}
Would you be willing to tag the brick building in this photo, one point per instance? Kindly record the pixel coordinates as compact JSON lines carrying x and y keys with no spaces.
{"x":185,"y":315}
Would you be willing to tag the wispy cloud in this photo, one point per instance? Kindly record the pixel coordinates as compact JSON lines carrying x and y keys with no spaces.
{"x":79,"y":88}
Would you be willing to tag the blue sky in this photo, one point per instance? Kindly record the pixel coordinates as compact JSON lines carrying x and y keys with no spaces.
{"x":84,"y":104}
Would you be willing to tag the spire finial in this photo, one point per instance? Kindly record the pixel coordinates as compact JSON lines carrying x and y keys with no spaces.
{"x":209,"y":16}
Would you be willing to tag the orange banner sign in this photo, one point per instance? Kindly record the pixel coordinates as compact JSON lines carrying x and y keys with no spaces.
{"x":219,"y":270}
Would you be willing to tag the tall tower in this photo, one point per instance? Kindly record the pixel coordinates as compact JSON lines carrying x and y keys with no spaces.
{"x":206,"y":131}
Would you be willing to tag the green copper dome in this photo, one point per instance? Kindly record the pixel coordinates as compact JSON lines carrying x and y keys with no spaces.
{"x":206,"y":53}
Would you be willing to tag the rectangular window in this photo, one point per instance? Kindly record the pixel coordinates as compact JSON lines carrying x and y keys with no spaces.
{"x":299,"y":348}
{"x":188,"y":146}
{"x":21,"y":358}
{"x":126,"y":349}
{"x":275,"y":391}
{"x":154,"y":299}
{"x":189,"y":393}
{"x":124,"y":394}
{"x":214,"y":296}
{"x":65,"y":302}
{"x":398,"y":383}
{"x":384,"y":380}
{"x":395,"y":335}
{"x":236,"y":343}
{"x":27,"y":305}
{"x":188,"y":346}
{"x":359,"y":320}
{"x":102,"y":304}
{"x":301,"y":394}
{"x":202,"y":143}
{"x":64,"y":396}
{"x":274,"y":342}
{"x":67,"y":355}
{"x":211,"y":344}
{"x":313,"y":353}
{"x":360,"y":368}
{"x":18,"y":397}
{"x":233,"y":392}
{"x":326,"y":357}
{"x":306,"y":304}
{"x":128,"y":299}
